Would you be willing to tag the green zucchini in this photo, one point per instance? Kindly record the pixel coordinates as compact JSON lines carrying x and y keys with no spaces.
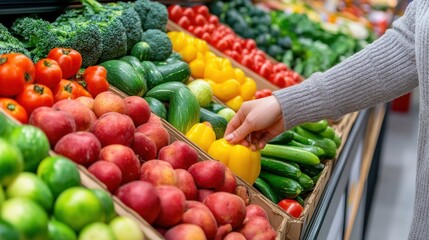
{"x":141,"y":51}
{"x":306,"y":182}
{"x":215,"y":107}
{"x":183,"y":110}
{"x":164,"y":91}
{"x":137,"y":65}
{"x":218,"y":122}
{"x":310,"y":148}
{"x":124,"y":77}
{"x":300,"y":200}
{"x":283,"y":187}
{"x":306,"y":137}
{"x":280,"y":168}
{"x":312,"y":170}
{"x":315,"y":126}
{"x":153,"y":76}
{"x":157,"y":107}
{"x":290,"y":153}
{"x":316,"y":178}
{"x":263,"y":187}
{"x":283,"y":138}
{"x":178,"y":71}
{"x":329,"y":132}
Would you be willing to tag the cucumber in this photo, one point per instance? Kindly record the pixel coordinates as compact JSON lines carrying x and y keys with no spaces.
{"x":153,"y":76}
{"x":315,"y":126}
{"x":337,"y":140}
{"x":283,"y":187}
{"x":303,"y":136}
{"x":164,"y":92}
{"x":280,"y":168}
{"x":306,"y":182}
{"x":218,"y":122}
{"x":312,"y":170}
{"x":310,"y":148}
{"x":282,"y":138}
{"x":137,"y":65}
{"x":183,"y":110}
{"x":263,"y":187}
{"x":290,"y":153}
{"x":300,"y":200}
{"x":124,"y":77}
{"x":157,"y":107}
{"x":178,"y":71}
{"x":141,"y":51}
{"x":329,"y":132}
{"x":215,"y":107}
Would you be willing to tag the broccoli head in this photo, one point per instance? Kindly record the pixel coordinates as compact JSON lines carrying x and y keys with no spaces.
{"x":153,"y":15}
{"x":8,"y":47}
{"x":159,"y":42}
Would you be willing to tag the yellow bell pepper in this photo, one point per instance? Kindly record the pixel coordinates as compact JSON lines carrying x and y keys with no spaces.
{"x":226,"y":90}
{"x":235,"y":103}
{"x":178,"y":40}
{"x":242,"y":161}
{"x":248,"y":89}
{"x":188,"y":53}
{"x":239,"y":75}
{"x":218,"y":70}
{"x":202,"y":134}
{"x":197,"y":66}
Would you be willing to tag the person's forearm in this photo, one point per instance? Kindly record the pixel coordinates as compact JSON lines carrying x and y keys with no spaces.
{"x":382,"y":71}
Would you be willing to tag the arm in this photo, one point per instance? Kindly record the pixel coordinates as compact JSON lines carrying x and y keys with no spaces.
{"x":382,"y":71}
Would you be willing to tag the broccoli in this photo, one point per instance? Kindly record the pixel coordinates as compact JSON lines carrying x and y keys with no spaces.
{"x":153,"y":15}
{"x":159,"y":42}
{"x":9,"y":43}
{"x":130,"y":19}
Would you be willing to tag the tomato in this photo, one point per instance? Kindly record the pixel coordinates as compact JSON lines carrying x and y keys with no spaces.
{"x":95,"y":80}
{"x":266,"y":69}
{"x":199,"y":20}
{"x":247,"y":61}
{"x":236,"y":46}
{"x":15,"y":71}
{"x":198,"y":31}
{"x":250,"y":44}
{"x":280,"y":67}
{"x":175,"y":12}
{"x":184,"y":22}
{"x":210,"y":27}
{"x":81,"y":91}
{"x":14,"y":109}
{"x":214,"y":20}
{"x":66,"y":89}
{"x":257,"y":62}
{"x":24,"y":63}
{"x":48,"y":72}
{"x":34,"y":96}
{"x":69,"y":60}
{"x":291,"y":206}
{"x":202,"y":9}
{"x":206,"y":37}
{"x":222,"y":44}
{"x":278,"y":79}
{"x":189,"y":13}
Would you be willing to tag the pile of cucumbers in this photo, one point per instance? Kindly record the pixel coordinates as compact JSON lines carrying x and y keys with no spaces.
{"x":291,"y":162}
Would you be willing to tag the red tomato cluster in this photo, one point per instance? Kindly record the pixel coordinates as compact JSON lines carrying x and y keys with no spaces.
{"x":263,"y":93}
{"x":206,"y":26}
{"x":25,"y":85}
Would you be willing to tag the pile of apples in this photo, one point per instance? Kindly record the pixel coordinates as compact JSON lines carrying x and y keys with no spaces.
{"x":128,"y":149}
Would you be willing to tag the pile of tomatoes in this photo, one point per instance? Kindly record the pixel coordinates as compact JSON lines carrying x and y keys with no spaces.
{"x":25,"y":85}
{"x":206,"y":26}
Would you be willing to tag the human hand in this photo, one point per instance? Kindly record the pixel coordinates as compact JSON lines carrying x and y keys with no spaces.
{"x":256,"y":123}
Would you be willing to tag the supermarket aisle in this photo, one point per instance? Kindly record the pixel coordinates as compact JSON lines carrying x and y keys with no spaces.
{"x":394,"y":196}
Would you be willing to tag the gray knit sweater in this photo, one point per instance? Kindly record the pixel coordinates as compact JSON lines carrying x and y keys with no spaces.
{"x":393,"y":65}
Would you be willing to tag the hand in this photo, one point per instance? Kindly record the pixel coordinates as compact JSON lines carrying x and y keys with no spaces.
{"x":256,"y":123}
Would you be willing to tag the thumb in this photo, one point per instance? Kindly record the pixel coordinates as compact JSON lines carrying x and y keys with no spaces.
{"x":238,"y":134}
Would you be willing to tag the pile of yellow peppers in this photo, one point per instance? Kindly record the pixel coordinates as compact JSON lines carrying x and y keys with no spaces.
{"x":242,"y":161}
{"x":229,"y":84}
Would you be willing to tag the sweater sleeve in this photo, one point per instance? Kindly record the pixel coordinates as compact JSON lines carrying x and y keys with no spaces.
{"x":378,"y":73}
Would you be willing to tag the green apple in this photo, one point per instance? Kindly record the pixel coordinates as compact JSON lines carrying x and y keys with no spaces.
{"x":227,"y":113}
{"x":125,"y":228}
{"x":202,"y":91}
{"x":96,"y":230}
{"x":58,"y":231}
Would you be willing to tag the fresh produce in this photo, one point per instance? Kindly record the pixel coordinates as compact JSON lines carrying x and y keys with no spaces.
{"x":158,"y":172}
{"x":202,"y":91}
{"x":82,"y":115}
{"x":186,"y":183}
{"x":262,"y":186}
{"x":185,"y":231}
{"x":199,"y":214}
{"x":160,"y":46}
{"x":281,"y":168}
{"x":283,"y":187}
{"x":156,"y":132}
{"x":16,"y":70}
{"x":263,"y":93}
{"x":240,"y":159}
{"x":179,"y":154}
{"x":207,"y":27}
{"x":48,"y":72}
{"x":153,"y":14}
{"x":157,"y":107}
{"x":15,"y":110}
{"x":227,"y":208}
{"x":217,"y":122}
{"x":81,"y":146}
{"x":227,"y":113}
{"x":162,"y":72}
{"x":292,"y":207}
{"x":202,"y":134}
{"x":11,"y":162}
{"x":290,"y":153}
{"x":9,"y":43}
{"x":69,"y":60}
{"x":106,"y":102}
{"x":94,"y":79}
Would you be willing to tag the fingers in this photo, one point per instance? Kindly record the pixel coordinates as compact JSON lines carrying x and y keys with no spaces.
{"x":239,"y":134}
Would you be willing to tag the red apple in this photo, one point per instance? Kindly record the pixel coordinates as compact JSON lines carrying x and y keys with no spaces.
{"x":185,"y":231}
{"x":81,"y":147}
{"x":124,"y":158}
{"x":55,"y":123}
{"x":106,"y":102}
{"x":142,"y":197}
{"x":186,"y":183}
{"x":143,"y":147}
{"x":114,"y":128}
{"x":158,"y":133}
{"x":222,"y":231}
{"x":254,"y":210}
{"x":258,"y":228}
{"x":158,"y":172}
{"x":87,"y":101}
{"x":172,"y":205}
{"x":202,"y":217}
{"x":203,"y":193}
{"x":179,"y":154}
{"x":234,"y":236}
{"x":108,"y":173}
{"x":80,"y":112}
{"x":138,"y":109}
{"x":208,"y":174}
{"x":229,"y":183}
{"x":227,"y":208}
{"x":154,"y":119}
